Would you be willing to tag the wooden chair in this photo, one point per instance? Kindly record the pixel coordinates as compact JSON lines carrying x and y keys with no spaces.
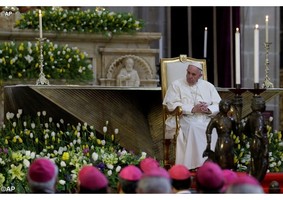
{"x":173,"y":69}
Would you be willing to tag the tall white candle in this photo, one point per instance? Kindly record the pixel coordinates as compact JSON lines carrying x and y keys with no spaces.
{"x":237,"y":56}
{"x":40,"y":24}
{"x":160,"y":48}
{"x":266,"y":28}
{"x":205,"y":43}
{"x":256,"y":54}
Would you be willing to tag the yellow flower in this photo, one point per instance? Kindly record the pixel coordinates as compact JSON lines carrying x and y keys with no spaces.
{"x":36,"y":140}
{"x":279,"y":135}
{"x":17,"y":156}
{"x":65,"y":156}
{"x":16,"y":172}
{"x":98,"y":141}
{"x":2,"y":179}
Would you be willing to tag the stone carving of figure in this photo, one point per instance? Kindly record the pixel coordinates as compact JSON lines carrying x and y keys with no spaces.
{"x":128,"y":76}
{"x":224,"y":125}
{"x":255,"y":128}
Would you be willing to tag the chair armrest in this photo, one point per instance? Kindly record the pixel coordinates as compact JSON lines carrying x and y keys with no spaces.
{"x":177,"y":112}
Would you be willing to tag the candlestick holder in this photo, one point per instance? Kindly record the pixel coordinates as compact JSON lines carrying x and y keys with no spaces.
{"x":42,"y":80}
{"x":257,"y":91}
{"x":267,"y":83}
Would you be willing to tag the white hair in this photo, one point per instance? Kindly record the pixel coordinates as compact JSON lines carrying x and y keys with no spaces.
{"x":154,"y":185}
{"x":245,"y":189}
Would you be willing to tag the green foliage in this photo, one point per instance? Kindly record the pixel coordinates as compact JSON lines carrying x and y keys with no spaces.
{"x":275,"y":148}
{"x":103,"y":21}
{"x":21,"y":61}
{"x":25,"y":138}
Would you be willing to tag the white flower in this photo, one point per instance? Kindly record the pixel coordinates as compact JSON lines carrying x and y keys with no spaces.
{"x":109,"y":172}
{"x":14,"y":124}
{"x":32,"y":155}
{"x":44,"y":113}
{"x":26,"y":163}
{"x":28,"y":153}
{"x":32,"y":125}
{"x":109,"y":166}
{"x":20,"y":111}
{"x":104,"y":129}
{"x":116,"y":131}
{"x":46,"y":125}
{"x":50,"y":119}
{"x":94,"y":156}
{"x":103,"y":142}
{"x":79,"y":141}
{"x":62,"y":121}
{"x":62,"y":182}
{"x":63,"y":164}
{"x":38,"y":114}
{"x":31,"y":135}
{"x":25,"y":123}
{"x":118,"y":168}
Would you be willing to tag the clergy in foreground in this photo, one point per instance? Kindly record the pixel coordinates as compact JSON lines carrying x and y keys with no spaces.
{"x":199,"y":100}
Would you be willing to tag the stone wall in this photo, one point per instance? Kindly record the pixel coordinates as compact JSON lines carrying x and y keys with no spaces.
{"x":281,"y":102}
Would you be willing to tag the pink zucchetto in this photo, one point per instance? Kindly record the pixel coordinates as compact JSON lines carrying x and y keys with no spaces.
{"x":130,"y":173}
{"x":179,"y":172}
{"x":91,"y":178}
{"x":229,"y":177}
{"x":42,"y":170}
{"x":148,"y":163}
{"x":210,"y":176}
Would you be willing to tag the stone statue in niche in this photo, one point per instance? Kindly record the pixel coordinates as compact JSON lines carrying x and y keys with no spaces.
{"x":224,"y":125}
{"x":128,"y":76}
{"x":255,"y":129}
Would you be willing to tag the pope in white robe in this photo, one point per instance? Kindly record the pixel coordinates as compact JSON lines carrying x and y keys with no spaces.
{"x":199,"y":100}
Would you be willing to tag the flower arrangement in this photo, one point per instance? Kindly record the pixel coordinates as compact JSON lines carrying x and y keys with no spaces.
{"x":275,"y":147}
{"x":100,"y":21}
{"x":21,"y":61}
{"x":69,"y":146}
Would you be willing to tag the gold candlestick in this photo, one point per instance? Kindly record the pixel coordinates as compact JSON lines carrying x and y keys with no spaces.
{"x":42,"y":80}
{"x":267,"y":83}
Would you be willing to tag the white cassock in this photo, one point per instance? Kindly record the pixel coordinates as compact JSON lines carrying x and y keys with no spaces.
{"x":191,"y":141}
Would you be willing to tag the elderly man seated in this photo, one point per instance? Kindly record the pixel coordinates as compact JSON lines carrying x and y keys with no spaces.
{"x":199,"y":100}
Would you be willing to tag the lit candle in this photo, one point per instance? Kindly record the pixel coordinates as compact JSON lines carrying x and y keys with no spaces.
{"x":266,"y":28}
{"x":237,"y":56}
{"x":40,"y":24}
{"x":205,"y":42}
{"x":256,"y":54}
